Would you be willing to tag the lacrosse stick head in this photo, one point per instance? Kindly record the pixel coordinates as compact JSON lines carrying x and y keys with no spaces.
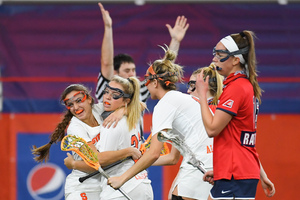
{"x":146,"y":145}
{"x":181,"y":146}
{"x":80,"y":146}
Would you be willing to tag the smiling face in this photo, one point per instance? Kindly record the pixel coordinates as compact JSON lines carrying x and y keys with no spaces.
{"x":110,"y":102}
{"x":79,"y":105}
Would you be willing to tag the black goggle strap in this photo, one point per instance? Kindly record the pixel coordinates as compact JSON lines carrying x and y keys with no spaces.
{"x":122,"y":94}
{"x":240,"y":51}
{"x":160,"y":76}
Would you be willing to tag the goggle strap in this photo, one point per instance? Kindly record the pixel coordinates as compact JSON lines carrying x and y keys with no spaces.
{"x":123,"y":94}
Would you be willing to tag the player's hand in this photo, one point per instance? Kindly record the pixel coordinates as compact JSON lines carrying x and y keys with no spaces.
{"x":268,"y":186}
{"x":69,"y":161}
{"x":105,"y":16}
{"x":209,"y":177}
{"x":134,"y":153}
{"x":179,"y":29}
{"x":114,"y":118}
{"x":115,"y":182}
{"x":201,"y":85}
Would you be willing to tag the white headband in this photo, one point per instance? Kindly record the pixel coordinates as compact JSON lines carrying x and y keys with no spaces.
{"x":230,"y":44}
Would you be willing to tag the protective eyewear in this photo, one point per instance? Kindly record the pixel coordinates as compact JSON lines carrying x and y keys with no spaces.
{"x":222,"y":55}
{"x":191,"y":86}
{"x":116,"y":93}
{"x":78,"y":97}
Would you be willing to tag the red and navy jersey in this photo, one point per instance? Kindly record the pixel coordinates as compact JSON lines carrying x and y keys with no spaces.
{"x":234,"y":148}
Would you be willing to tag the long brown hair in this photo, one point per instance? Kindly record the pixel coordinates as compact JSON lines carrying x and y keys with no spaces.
{"x":246,"y":39}
{"x":42,"y":153}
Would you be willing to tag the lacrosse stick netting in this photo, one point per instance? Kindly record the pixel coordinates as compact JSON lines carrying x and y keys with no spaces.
{"x":80,"y":146}
{"x":182,"y":147}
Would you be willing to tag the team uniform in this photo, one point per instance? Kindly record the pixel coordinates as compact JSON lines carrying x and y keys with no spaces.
{"x":90,"y":188}
{"x":184,"y":120}
{"x":235,"y":157}
{"x":112,"y":139}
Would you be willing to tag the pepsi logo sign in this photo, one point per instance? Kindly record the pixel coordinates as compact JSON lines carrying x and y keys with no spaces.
{"x":46,"y":182}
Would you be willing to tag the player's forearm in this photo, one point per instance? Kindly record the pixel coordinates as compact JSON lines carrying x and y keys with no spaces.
{"x":107,"y":54}
{"x":143,"y":163}
{"x":82,"y":166}
{"x":207,"y":118}
{"x":108,"y":157}
{"x":170,"y":159}
{"x":174,"y":45}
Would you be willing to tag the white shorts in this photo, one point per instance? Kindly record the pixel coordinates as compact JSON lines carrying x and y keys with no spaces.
{"x":82,"y":196}
{"x":190,"y":184}
{"x":142,"y":192}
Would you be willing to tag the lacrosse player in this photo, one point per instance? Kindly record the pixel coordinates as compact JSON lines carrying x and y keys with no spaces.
{"x":236,"y":166}
{"x":177,"y":112}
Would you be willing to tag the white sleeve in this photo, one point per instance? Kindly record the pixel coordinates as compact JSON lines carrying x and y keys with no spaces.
{"x":78,"y":130}
{"x":111,"y":139}
{"x":163,"y":117}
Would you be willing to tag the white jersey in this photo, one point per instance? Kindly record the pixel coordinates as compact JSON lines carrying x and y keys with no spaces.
{"x":113,"y":139}
{"x":88,"y":133}
{"x":181,"y":113}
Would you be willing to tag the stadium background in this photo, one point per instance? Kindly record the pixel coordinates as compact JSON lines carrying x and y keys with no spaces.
{"x":46,"y":47}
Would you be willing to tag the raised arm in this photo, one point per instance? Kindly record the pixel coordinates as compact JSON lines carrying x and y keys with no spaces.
{"x":177,"y":33}
{"x":107,"y":49}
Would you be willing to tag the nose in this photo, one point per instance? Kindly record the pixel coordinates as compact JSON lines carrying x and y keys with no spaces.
{"x":75,"y":105}
{"x":214,"y":59}
{"x":189,"y":91}
{"x":107,"y":96}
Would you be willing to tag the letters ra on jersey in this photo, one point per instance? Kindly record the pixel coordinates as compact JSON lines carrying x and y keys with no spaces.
{"x":248,"y":139}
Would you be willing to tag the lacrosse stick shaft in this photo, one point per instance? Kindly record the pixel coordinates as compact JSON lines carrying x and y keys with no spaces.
{"x":81,"y":179}
{"x":107,"y":177}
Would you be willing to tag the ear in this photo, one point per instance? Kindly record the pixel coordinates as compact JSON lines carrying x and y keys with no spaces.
{"x":127,"y":101}
{"x":89,"y":98}
{"x":236,"y":61}
{"x":155,"y":82}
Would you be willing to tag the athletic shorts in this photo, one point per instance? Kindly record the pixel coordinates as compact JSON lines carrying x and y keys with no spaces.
{"x":238,"y":189}
{"x":82,"y":196}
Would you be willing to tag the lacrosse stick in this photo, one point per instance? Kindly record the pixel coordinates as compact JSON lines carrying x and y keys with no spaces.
{"x":79,"y":146}
{"x":181,"y":146}
{"x":146,"y":145}
{"x":81,"y":179}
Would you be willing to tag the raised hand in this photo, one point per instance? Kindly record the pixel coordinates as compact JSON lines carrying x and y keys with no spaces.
{"x":178,"y":31}
{"x":105,"y":16}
